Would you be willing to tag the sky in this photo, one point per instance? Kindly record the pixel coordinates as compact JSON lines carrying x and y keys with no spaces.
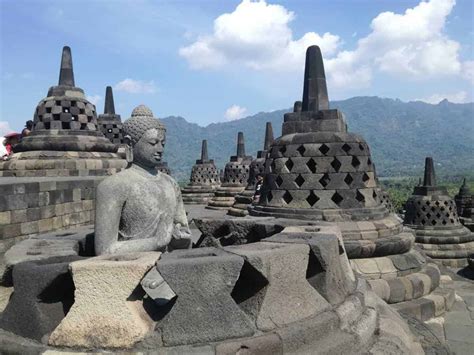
{"x":216,"y":61}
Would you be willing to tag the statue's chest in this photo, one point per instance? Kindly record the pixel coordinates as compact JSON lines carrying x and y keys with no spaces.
{"x":151,"y":198}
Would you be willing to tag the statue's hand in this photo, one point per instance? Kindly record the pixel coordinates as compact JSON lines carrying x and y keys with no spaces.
{"x":180,"y":232}
{"x":180,"y":238}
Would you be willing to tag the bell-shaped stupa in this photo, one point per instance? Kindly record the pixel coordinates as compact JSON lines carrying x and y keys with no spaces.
{"x":432,"y":213}
{"x":109,"y":122}
{"x":236,"y":174}
{"x":204,"y":180}
{"x":317,"y":170}
{"x":257,"y":167}
{"x":65,"y":139}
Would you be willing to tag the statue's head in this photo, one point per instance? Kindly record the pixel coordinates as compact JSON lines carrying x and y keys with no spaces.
{"x":147,"y":136}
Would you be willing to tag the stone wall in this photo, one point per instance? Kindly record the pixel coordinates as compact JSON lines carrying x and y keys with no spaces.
{"x":29,"y":206}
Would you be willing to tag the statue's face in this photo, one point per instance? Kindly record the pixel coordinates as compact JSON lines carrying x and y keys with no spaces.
{"x":149,"y":149}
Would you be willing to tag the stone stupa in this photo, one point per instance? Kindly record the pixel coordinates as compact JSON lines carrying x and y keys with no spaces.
{"x":204,"y":180}
{"x":318,"y":171}
{"x":432,"y":213}
{"x":65,"y":139}
{"x":465,"y":206}
{"x":109,"y":122}
{"x":257,"y":167}
{"x":235,"y":178}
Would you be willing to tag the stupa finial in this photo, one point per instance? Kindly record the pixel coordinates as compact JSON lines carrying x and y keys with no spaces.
{"x":315,"y":92}
{"x":66,"y":74}
{"x":109,"y":106}
{"x":429,"y":179}
{"x":204,"y":155}
{"x":268,"y":136}
{"x":240,"y":145}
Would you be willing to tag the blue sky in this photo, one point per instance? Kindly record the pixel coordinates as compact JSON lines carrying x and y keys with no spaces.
{"x":211,"y":61}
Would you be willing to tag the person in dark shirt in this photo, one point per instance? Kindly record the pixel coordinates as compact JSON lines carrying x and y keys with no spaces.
{"x":27,"y":130}
{"x":258,"y":189}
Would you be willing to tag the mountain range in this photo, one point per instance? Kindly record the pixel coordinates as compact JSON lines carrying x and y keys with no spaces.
{"x":400,"y":134}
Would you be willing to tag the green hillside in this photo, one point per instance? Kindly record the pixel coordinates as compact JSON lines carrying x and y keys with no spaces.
{"x":400,"y":135}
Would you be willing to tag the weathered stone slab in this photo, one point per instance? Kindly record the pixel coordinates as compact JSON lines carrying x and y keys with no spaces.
{"x":204,"y":311}
{"x":44,"y":292}
{"x":273,"y":288}
{"x":108,"y":309}
{"x":329,"y":271}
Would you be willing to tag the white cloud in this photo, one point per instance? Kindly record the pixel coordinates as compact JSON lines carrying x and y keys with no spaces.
{"x":257,"y":35}
{"x":468,"y":70}
{"x":455,"y":97}
{"x":94,"y":99}
{"x":234,"y":113}
{"x":135,"y":86}
{"x":5,"y":128}
{"x":410,"y":45}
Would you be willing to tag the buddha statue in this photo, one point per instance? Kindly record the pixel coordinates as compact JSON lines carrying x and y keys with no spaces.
{"x":140,"y":208}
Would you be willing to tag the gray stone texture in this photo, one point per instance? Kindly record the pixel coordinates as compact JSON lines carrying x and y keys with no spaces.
{"x":204,"y":310}
{"x":109,"y":122}
{"x":44,"y":292}
{"x":273,"y":289}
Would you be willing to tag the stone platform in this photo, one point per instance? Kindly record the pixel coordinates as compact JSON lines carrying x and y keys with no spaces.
{"x":292,"y":293}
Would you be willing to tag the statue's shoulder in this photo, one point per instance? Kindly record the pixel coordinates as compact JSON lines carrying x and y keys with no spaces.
{"x":120,"y":181}
{"x":170,"y":180}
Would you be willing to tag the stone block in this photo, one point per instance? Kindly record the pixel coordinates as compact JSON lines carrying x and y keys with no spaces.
{"x":272,"y":288}
{"x":268,"y":344}
{"x":329,"y":271}
{"x":108,"y":308}
{"x":18,"y":216}
{"x":5,"y":217}
{"x":203,"y":280}
{"x":29,"y":228}
{"x":44,"y":292}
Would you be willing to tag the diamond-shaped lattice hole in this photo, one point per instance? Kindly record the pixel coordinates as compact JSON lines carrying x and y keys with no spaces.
{"x":324,"y":149}
{"x":311,"y":164}
{"x":337,"y":198}
{"x":324,"y":180}
{"x":423,"y":208}
{"x":438,"y":215}
{"x":355,"y":162}
{"x":269,"y":196}
{"x":348,"y":179}
{"x":365,"y":177}
{"x":289,"y":164}
{"x":374,"y":195}
{"x":312,"y":199}
{"x":346,"y":147}
{"x":428,"y":215}
{"x":336,"y":164}
{"x":360,"y":197}
{"x":301,"y":149}
{"x":279,"y":180}
{"x":283,"y":150}
{"x":437,"y":203}
{"x":272,"y":165}
{"x":444,"y":222}
{"x":299,"y":181}
{"x":452,"y":220}
{"x":433,"y":208}
{"x":361,"y":146}
{"x":433,"y":222}
{"x":369,"y":161}
{"x":423,"y":222}
{"x":287,"y":197}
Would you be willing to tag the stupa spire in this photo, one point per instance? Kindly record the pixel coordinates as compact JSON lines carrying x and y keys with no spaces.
{"x":268,"y":136}
{"x":66,"y":74}
{"x":429,"y":179}
{"x":240,"y":145}
{"x":109,"y":106}
{"x":315,"y":92}
{"x":204,"y":155}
